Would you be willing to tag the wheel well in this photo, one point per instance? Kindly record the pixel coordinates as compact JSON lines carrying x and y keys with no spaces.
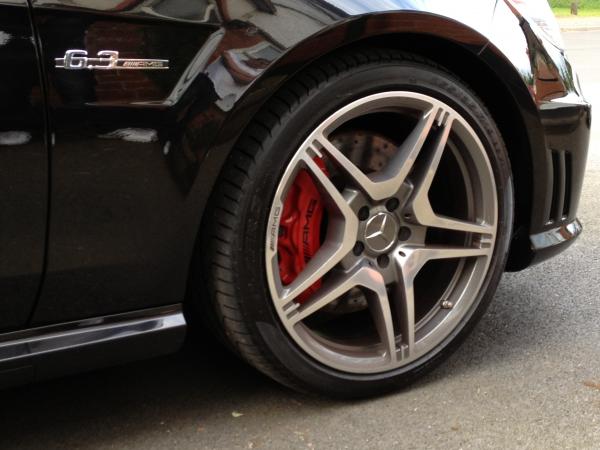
{"x":499,"y":101}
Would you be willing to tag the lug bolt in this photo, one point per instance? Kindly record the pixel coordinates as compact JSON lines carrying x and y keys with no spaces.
{"x":404,"y":233}
{"x":392,"y":204}
{"x":383,"y":260}
{"x":359,"y":247}
{"x":447,"y":304}
{"x":363,"y":213}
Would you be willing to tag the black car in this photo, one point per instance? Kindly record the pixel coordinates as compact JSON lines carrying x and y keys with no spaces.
{"x":332,"y":187}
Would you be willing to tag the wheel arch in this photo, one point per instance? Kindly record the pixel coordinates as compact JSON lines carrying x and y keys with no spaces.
{"x":460,"y":49}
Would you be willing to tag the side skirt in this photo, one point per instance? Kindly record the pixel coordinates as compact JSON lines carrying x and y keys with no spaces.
{"x":54,"y":350}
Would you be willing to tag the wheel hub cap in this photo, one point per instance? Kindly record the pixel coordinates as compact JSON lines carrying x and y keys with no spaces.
{"x":381,"y":232}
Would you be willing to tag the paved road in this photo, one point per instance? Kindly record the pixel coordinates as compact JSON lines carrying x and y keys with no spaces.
{"x":529,"y":376}
{"x":579,"y":23}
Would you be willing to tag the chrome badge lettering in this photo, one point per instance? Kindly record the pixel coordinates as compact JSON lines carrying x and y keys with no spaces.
{"x":107,"y":60}
{"x":274,"y":228}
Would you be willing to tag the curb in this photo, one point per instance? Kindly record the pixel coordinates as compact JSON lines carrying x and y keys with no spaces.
{"x":574,"y":23}
{"x":591,"y":28}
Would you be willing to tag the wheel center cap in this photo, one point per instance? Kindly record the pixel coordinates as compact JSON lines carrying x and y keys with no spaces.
{"x":381,"y":232}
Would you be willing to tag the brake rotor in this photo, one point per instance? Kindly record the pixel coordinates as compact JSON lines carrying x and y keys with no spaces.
{"x":370,"y":151}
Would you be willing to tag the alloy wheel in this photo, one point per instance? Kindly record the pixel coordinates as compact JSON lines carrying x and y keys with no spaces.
{"x":407,"y":213}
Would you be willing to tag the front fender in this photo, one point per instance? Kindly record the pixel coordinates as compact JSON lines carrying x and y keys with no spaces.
{"x":228,"y":125}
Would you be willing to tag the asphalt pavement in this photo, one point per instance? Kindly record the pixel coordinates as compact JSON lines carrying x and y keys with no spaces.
{"x":528,"y":377}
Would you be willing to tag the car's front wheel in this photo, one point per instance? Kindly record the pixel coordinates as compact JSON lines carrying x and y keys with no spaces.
{"x":360,"y":226}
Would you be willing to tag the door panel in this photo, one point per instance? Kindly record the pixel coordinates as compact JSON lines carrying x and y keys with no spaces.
{"x":129,"y":144}
{"x":23,"y":167}
{"x":123,"y":220}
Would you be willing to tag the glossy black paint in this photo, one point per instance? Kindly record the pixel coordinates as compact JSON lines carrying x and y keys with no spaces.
{"x":134,"y":155}
{"x":124,"y":196}
{"x":39,"y":353}
{"x":23,"y":167}
{"x":560,"y":123}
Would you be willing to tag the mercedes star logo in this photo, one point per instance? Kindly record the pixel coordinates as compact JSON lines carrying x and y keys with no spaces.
{"x":381,"y":232}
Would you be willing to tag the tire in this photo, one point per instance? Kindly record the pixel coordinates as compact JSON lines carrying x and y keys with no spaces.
{"x":238,"y":278}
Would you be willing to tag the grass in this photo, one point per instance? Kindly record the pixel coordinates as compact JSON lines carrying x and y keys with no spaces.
{"x":566,"y":12}
{"x":587,"y":8}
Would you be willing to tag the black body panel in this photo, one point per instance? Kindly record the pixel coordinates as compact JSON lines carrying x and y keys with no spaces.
{"x":44,"y":352}
{"x":134,"y":155}
{"x":124,"y":195}
{"x":23,"y":167}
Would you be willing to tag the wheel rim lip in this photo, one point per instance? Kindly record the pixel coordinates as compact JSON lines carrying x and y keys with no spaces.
{"x":359,"y":361}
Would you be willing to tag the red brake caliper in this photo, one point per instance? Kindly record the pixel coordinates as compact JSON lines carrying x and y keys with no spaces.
{"x":300,"y":229}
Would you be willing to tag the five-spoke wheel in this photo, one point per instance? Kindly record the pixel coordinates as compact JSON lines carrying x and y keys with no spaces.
{"x":360,"y":226}
{"x":363,"y":254}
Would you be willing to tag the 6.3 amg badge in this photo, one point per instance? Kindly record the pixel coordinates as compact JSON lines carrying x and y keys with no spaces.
{"x":107,"y":60}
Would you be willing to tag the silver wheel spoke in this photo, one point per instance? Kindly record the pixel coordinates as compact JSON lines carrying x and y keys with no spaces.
{"x":387,"y":182}
{"x":428,"y":171}
{"x":421,"y":206}
{"x":376,"y":294}
{"x":409,"y":262}
{"x":414,"y":258}
{"x":430,"y":219}
{"x":334,"y":248}
{"x":422,"y":211}
{"x":358,"y":177}
{"x":381,"y":312}
{"x":404,"y":296}
{"x":331,"y":290}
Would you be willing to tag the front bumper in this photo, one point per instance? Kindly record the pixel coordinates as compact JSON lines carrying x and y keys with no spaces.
{"x":558,"y":177}
{"x":557,"y":123}
{"x":558,"y":166}
{"x":549,"y":243}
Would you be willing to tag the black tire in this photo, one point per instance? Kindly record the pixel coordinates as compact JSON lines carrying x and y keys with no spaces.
{"x":232,"y":261}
